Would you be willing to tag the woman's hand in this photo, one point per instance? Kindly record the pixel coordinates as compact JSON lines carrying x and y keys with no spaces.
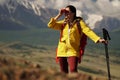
{"x":103,"y":41}
{"x":61,"y":12}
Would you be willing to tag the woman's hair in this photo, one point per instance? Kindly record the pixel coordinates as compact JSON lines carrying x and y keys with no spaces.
{"x":72,"y":9}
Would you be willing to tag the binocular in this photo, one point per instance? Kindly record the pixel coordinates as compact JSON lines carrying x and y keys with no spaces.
{"x":64,"y":11}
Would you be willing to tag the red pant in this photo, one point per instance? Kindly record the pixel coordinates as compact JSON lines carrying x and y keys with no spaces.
{"x":72,"y":62}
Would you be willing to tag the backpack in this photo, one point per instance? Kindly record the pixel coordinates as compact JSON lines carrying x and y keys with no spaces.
{"x":83,"y":40}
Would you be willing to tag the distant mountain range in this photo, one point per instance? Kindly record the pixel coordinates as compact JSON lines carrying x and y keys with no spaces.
{"x":15,"y":16}
{"x":29,"y":14}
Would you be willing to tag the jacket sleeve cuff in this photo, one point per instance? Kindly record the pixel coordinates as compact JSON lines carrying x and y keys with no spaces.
{"x":51,"y":23}
{"x":97,"y":40}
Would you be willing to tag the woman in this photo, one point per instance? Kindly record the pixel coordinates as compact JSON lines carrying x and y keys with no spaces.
{"x":68,"y":47}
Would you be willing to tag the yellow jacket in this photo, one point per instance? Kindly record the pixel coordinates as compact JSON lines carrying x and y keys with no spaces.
{"x":70,"y":40}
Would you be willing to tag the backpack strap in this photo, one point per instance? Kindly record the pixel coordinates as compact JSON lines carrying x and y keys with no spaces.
{"x":83,"y":40}
{"x":78,"y":24}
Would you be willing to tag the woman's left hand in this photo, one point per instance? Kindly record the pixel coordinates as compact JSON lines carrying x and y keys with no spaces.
{"x":103,"y":41}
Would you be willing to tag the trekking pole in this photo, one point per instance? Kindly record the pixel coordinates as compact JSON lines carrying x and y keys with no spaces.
{"x":107,"y":37}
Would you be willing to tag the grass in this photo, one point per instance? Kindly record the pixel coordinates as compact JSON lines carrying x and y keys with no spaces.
{"x":45,"y":56}
{"x":38,"y":46}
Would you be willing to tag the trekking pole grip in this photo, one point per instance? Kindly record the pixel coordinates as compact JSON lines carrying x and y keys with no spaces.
{"x":106,"y":34}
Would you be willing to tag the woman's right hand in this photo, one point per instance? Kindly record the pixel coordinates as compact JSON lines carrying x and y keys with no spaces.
{"x":61,"y":12}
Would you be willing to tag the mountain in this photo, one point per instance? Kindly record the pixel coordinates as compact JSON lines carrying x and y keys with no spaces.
{"x":29,"y":14}
{"x":20,"y":16}
{"x":110,"y":23}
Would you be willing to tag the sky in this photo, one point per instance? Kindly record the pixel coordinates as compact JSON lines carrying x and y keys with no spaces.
{"x":99,"y":6}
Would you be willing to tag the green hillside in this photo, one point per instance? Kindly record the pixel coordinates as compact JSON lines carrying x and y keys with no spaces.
{"x":31,"y":36}
{"x":48,"y":37}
